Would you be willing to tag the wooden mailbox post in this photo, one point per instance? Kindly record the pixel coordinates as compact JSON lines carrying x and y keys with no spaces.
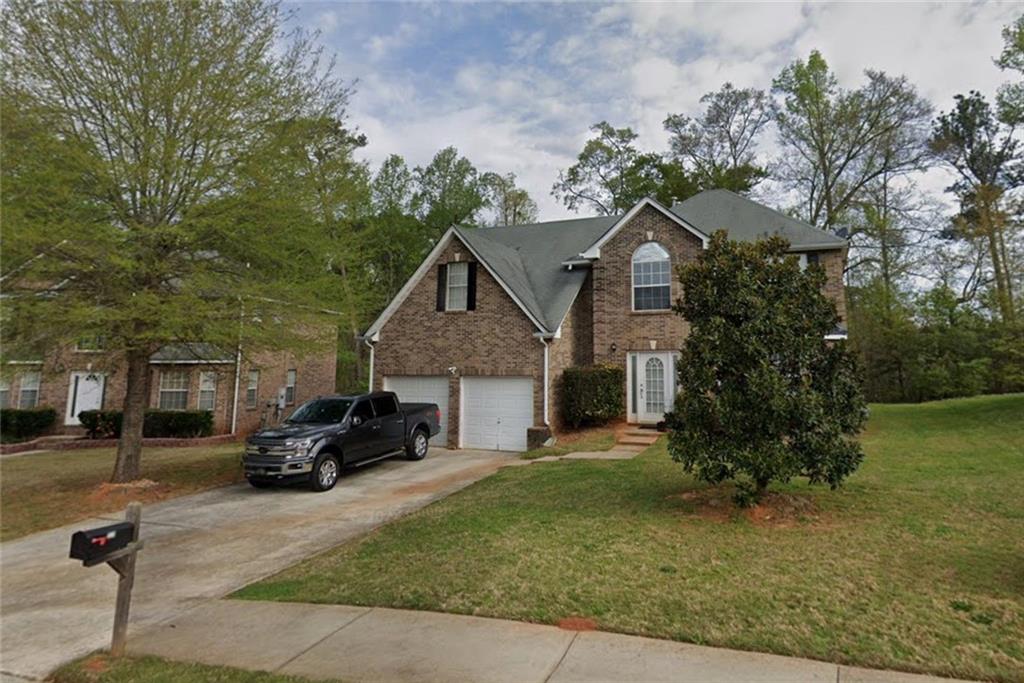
{"x":90,"y":546}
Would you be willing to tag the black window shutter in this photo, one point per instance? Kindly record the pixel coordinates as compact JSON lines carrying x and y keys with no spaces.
{"x":442,"y":285}
{"x":471,"y":289}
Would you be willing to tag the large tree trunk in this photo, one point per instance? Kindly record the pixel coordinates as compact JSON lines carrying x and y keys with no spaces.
{"x":136,"y":399}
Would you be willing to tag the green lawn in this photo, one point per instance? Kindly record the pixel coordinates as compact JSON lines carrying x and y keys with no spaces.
{"x":47,"y":490}
{"x":916,"y":564}
{"x":103,"y":669}
{"x":593,"y":439}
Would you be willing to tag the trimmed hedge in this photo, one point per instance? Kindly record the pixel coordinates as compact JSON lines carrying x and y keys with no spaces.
{"x":184,"y":424}
{"x":18,"y":425}
{"x":592,"y":395}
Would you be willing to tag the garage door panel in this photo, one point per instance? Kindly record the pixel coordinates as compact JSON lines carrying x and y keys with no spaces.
{"x":497,"y":411}
{"x":423,"y":389}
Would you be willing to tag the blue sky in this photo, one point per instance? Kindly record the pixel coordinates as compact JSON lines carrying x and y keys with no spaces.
{"x":515,"y":86}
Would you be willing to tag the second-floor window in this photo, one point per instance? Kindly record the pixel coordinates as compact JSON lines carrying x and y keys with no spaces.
{"x":652,"y":278}
{"x":173,"y":390}
{"x":456,"y":286}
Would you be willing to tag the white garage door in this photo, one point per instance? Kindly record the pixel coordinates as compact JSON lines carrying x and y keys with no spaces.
{"x":496,"y":412}
{"x":423,"y":390}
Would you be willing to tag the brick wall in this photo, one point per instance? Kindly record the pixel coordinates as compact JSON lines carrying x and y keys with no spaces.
{"x":834,"y":263}
{"x":614,"y":320}
{"x":574,"y":347}
{"x":495,"y":339}
{"x":315,"y":376}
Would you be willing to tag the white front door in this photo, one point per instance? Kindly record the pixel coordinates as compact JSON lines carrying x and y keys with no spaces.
{"x":85,"y":392}
{"x":496,"y":412}
{"x":652,"y":385}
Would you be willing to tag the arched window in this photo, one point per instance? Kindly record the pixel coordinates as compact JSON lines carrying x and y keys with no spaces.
{"x":652,"y":278}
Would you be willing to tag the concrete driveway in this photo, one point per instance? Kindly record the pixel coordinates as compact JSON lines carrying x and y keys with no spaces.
{"x":200,"y":547}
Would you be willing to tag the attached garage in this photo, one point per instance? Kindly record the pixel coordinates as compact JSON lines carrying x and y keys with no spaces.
{"x":423,"y":389}
{"x":496,"y":412}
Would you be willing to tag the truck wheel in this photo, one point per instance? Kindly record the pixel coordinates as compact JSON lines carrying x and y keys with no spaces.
{"x":325,"y":473}
{"x":260,"y":483}
{"x":416,"y":449}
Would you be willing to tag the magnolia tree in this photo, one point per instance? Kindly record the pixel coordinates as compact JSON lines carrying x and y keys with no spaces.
{"x":763,"y":395}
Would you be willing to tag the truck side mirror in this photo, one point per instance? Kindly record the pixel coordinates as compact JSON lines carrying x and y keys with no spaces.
{"x":356,"y":420}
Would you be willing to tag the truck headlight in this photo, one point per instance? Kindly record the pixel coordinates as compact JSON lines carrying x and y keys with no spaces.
{"x":302,"y":448}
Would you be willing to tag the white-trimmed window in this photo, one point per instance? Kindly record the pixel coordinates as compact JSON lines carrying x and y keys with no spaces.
{"x":207,"y":390}
{"x":652,"y":278}
{"x":173,"y":390}
{"x":90,"y":344}
{"x":252,"y":389}
{"x":458,"y":286}
{"x":5,"y":393}
{"x":289,"y":387}
{"x":28,"y":389}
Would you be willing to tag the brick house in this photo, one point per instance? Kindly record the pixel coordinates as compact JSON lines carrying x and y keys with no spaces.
{"x":493,"y":316}
{"x":239,"y":388}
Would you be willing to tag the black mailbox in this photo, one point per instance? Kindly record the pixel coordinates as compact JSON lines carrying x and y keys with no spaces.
{"x":93,"y":544}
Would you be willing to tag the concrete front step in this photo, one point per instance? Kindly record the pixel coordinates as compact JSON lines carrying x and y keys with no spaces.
{"x":637,"y":440}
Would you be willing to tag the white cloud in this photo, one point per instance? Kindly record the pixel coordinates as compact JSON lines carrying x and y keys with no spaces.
{"x":526,"y":101}
{"x":383,"y":46}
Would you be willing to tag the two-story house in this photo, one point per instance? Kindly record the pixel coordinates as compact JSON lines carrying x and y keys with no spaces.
{"x":493,"y":316}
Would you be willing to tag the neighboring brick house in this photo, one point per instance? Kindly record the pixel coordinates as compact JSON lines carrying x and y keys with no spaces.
{"x":493,"y":316}
{"x":184,"y":377}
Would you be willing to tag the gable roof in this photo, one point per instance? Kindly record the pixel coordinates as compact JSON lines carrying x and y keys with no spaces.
{"x":530,"y":261}
{"x":528,"y":258}
{"x":747,"y":221}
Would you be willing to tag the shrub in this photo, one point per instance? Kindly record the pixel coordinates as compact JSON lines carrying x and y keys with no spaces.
{"x":185,"y":424}
{"x":101,"y":424}
{"x":17,"y":424}
{"x":178,"y":423}
{"x":592,"y":395}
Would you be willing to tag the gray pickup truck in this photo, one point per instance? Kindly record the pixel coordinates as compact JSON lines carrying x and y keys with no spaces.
{"x":331,"y":432}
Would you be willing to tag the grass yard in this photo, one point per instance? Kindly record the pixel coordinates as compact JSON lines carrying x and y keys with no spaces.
{"x":103,"y":669}
{"x":47,"y":490}
{"x":916,"y":564}
{"x":587,"y":439}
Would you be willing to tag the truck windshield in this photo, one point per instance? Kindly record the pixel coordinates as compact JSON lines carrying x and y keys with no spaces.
{"x":321,"y":411}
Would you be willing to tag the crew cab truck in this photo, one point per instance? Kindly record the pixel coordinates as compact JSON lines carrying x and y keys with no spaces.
{"x":331,"y":432}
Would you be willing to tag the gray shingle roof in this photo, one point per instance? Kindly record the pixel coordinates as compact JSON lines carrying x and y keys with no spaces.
{"x":191,"y":352}
{"x":747,"y":221}
{"x":529,"y":258}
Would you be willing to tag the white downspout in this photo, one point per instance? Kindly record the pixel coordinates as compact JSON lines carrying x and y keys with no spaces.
{"x":546,"y":357}
{"x":370,"y":344}
{"x":238,"y":368}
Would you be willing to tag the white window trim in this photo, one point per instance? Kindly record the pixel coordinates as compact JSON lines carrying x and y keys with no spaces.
{"x":162,"y":390}
{"x":38,"y":377}
{"x":448,"y":286}
{"x":254,"y":387}
{"x":633,"y":285}
{"x":199,"y":394}
{"x":290,"y":380}
{"x":5,"y":388}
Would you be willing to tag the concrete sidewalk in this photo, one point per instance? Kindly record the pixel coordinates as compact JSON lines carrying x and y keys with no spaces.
{"x":378,"y":644}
